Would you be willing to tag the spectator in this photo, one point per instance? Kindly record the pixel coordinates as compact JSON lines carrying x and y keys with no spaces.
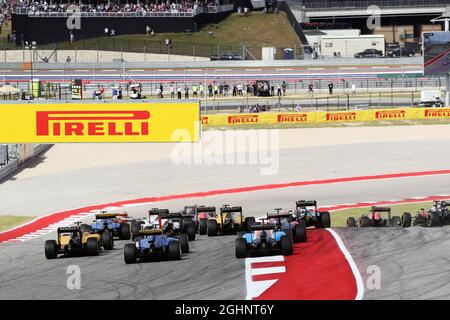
{"x":147,"y":31}
{"x":72,"y":37}
{"x":172,"y":91}
{"x":201,"y":91}
{"x":353,"y":89}
{"x":210,"y":90}
{"x":279,"y":91}
{"x":194,"y":91}
{"x":68,"y":59}
{"x":298,"y":108}
{"x":330,"y":88}
{"x":284,"y":87}
{"x":106,"y":32}
{"x":186,"y":92}
{"x":311,"y":88}
{"x":179,"y":92}
{"x":114,"y":94}
{"x":161,"y":90}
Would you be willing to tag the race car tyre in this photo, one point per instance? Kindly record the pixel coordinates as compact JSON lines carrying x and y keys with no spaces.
{"x":300,"y":232}
{"x":190,"y":231}
{"x":364,"y":222}
{"x":286,"y":245}
{"x":241,"y":248}
{"x":51,"y":249}
{"x":396,"y":221}
{"x":325,"y":220}
{"x":434,"y":219}
{"x":129,"y":253}
{"x":249,"y":222}
{"x":202,"y":226}
{"x":174,"y":250}
{"x":351,"y":222}
{"x":212,"y":228}
{"x":93,"y":248}
{"x":184,"y":243}
{"x":406,"y":220}
{"x":107,"y":239}
{"x":125,"y":232}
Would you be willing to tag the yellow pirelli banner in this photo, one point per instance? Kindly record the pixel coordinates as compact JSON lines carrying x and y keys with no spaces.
{"x":325,"y":117}
{"x":100,"y":122}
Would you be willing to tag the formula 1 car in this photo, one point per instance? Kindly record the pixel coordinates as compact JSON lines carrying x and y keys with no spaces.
{"x":286,"y":221}
{"x":310,"y":214}
{"x":438,"y":215}
{"x":375,"y":219}
{"x":116,"y":223}
{"x":264,"y":239}
{"x":174,"y":225}
{"x":201,"y":215}
{"x":146,"y":222}
{"x":76,"y":240}
{"x":152,"y":243}
{"x":229,"y":221}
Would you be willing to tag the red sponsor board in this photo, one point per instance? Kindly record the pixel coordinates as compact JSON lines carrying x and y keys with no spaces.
{"x":205,"y":120}
{"x":437,"y":113}
{"x":341,"y":116}
{"x":92,"y":123}
{"x":253,"y":118}
{"x":301,"y":117}
{"x":390,"y":114}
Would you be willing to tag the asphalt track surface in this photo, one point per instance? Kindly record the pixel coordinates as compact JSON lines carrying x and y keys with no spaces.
{"x":413,"y":262}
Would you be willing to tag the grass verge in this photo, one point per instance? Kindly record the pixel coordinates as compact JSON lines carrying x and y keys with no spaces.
{"x":8,"y":222}
{"x":339,"y":218}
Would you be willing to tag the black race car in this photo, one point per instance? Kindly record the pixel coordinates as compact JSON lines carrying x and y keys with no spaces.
{"x":438,"y":215}
{"x":307,"y":211}
{"x":289,"y":223}
{"x":375,"y":218}
{"x":200,"y":215}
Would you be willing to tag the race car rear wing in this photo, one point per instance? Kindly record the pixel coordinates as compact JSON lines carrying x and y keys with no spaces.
{"x":226,"y":209}
{"x":306,"y":203}
{"x":380,"y":209}
{"x":154,"y":232}
{"x":206,"y":209}
{"x":277,"y":215}
{"x":105,"y":216}
{"x":263,"y":227}
{"x":68,"y":229}
{"x":173,"y":215}
{"x":156,"y":211}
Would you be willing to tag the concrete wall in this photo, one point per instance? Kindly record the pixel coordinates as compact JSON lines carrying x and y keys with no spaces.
{"x":85,"y":56}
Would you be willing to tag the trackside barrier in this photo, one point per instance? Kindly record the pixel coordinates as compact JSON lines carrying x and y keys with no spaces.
{"x":325,"y":117}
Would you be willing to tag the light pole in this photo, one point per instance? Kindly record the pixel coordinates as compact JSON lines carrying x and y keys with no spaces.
{"x":31,"y":46}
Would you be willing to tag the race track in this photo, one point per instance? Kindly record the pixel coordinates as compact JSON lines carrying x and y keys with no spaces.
{"x":411,"y":261}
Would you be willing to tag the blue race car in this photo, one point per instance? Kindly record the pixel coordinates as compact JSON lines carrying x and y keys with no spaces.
{"x":115,"y":223}
{"x":264,"y":239}
{"x":152,"y":243}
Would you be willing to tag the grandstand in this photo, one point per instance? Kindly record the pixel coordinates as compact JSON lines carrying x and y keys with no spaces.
{"x":46,"y":22}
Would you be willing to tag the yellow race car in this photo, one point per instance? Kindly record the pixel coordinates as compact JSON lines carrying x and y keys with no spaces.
{"x":229,"y":221}
{"x":77,"y":240}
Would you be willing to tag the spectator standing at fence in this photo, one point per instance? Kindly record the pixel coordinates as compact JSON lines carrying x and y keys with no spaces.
{"x":172,"y":91}
{"x":68,"y":59}
{"x":311,"y":88}
{"x":226,"y":87}
{"x":71,"y":37}
{"x":148,"y":30}
{"x":216,"y":90}
{"x":284,"y":87}
{"x":330,"y":88}
{"x":353,"y":89}
{"x":158,"y":92}
{"x":298,"y":108}
{"x":210,"y":90}
{"x":221,"y":90}
{"x":119,"y":93}
{"x":179,"y":92}
{"x":186,"y":92}
{"x":202,"y":91}
{"x":113,"y":32}
{"x":161,"y":89}
{"x":194,"y":91}
{"x":114,"y":94}
{"x":106,"y":32}
{"x":279,"y":90}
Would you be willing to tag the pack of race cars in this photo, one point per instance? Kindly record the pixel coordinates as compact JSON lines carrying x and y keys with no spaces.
{"x":166,"y":235}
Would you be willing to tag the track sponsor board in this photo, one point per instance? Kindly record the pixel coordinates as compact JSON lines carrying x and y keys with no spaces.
{"x":94,"y":122}
{"x":436,"y":53}
{"x":326,"y":117}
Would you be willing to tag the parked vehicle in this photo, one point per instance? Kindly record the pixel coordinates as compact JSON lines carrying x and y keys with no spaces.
{"x":369,"y":53}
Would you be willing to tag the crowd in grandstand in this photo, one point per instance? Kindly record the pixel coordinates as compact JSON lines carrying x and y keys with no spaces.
{"x":115,"y":6}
